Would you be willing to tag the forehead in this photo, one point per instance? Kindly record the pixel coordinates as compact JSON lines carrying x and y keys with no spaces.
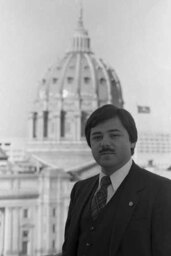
{"x":112,"y":124}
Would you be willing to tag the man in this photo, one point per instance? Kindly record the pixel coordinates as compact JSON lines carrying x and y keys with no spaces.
{"x":127,"y":213}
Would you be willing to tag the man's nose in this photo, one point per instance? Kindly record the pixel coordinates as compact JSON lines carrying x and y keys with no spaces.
{"x":105,"y":141}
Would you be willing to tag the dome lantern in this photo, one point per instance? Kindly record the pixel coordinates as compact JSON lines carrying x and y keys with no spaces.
{"x":81,"y":40}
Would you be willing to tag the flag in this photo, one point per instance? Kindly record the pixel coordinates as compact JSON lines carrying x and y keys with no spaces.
{"x":143,"y":109}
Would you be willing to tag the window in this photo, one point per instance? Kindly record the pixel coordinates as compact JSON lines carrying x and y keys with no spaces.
{"x":53,"y":244}
{"x":34,"y":125}
{"x":86,"y":67}
{"x":102,"y":80}
{"x":45,"y":124}
{"x":7,"y":144}
{"x":53,"y":228}
{"x":103,"y":91}
{"x":88,"y":43}
{"x":25,"y":247}
{"x":54,"y":212}
{"x":25,"y":234}
{"x":70,"y":79}
{"x":71,"y":67}
{"x":86,"y":80}
{"x":55,"y":80}
{"x":63,"y":117}
{"x":25,"y":241}
{"x":25,"y":213}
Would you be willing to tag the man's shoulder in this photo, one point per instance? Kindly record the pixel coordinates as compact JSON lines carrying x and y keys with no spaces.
{"x":83,"y":185}
{"x":88,"y":180}
{"x":151,"y":176}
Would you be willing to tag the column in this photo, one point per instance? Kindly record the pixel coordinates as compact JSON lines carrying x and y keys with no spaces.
{"x":15,"y":231}
{"x":30,"y":126}
{"x":39,"y":228}
{"x":78,"y":126}
{"x":1,"y":232}
{"x":40,"y":126}
{"x":33,"y":237}
{"x":8,"y":231}
{"x":57,"y":127}
{"x":58,"y":211}
{"x":69,"y":127}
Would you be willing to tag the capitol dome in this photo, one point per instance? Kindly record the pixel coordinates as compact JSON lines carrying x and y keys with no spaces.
{"x":74,"y":87}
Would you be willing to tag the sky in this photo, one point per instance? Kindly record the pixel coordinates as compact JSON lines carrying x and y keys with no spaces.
{"x":133,"y":36}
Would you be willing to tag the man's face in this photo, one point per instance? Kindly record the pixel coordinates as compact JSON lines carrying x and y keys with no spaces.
{"x":110,"y":145}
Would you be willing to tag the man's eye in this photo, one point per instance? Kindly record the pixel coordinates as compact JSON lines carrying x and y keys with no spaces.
{"x":114,"y":135}
{"x":98,"y":137}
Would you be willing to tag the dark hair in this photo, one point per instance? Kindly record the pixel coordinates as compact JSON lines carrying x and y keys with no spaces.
{"x":107,"y":112}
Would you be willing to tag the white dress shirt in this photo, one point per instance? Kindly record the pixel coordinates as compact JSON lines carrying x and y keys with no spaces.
{"x":116,"y":179}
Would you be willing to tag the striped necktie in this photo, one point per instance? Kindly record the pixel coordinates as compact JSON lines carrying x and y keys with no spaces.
{"x":100,"y":198}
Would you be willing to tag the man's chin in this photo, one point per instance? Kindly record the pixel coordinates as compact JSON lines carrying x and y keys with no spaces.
{"x":107,"y":162}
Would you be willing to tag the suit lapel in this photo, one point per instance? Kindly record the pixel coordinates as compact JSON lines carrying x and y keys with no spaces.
{"x":127,"y":204}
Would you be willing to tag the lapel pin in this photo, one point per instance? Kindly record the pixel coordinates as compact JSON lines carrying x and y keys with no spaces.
{"x":131,"y":203}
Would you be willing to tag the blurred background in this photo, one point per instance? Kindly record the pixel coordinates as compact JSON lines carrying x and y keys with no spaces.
{"x":61,"y":59}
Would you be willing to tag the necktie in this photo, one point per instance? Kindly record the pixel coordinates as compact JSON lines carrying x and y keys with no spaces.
{"x":100,"y":198}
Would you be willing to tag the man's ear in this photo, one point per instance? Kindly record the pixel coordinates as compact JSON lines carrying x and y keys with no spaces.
{"x":133,"y":144}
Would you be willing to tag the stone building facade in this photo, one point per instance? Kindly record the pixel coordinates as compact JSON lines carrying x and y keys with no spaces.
{"x":34,"y":204}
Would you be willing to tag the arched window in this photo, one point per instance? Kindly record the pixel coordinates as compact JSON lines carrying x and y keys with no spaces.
{"x":34,"y":124}
{"x":84,"y":116}
{"x":70,"y":79}
{"x":63,"y":119}
{"x":87,"y":80}
{"x":55,"y":80}
{"x":45,"y":124}
{"x":103,"y":90}
{"x":103,"y":81}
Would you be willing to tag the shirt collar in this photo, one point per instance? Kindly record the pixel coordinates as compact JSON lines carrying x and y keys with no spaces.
{"x":118,"y":176}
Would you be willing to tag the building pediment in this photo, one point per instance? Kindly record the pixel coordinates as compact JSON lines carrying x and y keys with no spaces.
{"x":78,"y":164}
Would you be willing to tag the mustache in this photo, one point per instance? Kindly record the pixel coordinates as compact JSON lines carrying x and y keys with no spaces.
{"x":106,"y":150}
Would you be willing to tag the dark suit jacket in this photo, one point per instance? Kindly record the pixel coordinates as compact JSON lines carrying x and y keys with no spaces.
{"x":142,"y":226}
